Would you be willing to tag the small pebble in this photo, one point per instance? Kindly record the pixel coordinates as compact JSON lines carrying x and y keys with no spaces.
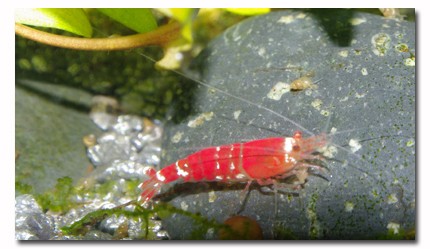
{"x":246,"y":228}
{"x":89,"y":140}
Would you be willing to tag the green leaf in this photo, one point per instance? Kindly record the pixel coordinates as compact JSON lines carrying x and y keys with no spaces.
{"x":140,"y":20}
{"x":248,"y":11}
{"x":72,"y":20}
{"x":185,"y":16}
{"x":170,"y":60}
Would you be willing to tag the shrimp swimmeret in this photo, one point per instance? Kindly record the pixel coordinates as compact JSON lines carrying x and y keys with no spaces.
{"x":365,"y":153}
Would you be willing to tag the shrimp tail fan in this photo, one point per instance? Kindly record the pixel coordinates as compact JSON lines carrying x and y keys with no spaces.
{"x":151,"y":186}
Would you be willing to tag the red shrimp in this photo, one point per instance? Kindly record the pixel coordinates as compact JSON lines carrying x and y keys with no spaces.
{"x":260,"y":160}
{"x":264,"y":161}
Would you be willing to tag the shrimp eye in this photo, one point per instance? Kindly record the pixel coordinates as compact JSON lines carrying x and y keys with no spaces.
{"x":296,"y":148}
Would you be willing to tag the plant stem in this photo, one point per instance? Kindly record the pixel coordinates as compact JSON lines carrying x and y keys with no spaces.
{"x":160,"y":36}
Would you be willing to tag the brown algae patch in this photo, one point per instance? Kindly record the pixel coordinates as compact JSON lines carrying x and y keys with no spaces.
{"x":286,"y":19}
{"x":381,"y":44}
{"x":199,"y":120}
{"x":317,"y":104}
{"x":177,"y":137}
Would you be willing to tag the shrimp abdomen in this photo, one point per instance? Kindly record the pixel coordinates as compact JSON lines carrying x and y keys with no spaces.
{"x":215,"y":164}
{"x":268,"y":157}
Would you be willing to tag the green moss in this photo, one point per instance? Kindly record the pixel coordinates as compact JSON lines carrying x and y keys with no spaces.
{"x":22,"y":189}
{"x":401,"y":235}
{"x":202,"y":224}
{"x":82,"y":226}
{"x":284,"y":234}
{"x":58,"y":200}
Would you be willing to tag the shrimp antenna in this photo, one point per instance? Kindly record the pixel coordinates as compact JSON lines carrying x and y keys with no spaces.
{"x":318,"y":81}
{"x":237,"y":97}
{"x":355,"y":155}
{"x":347,"y":131}
{"x":353,"y":166}
{"x":314,"y":83}
{"x":329,"y":117}
{"x":366,"y":139}
{"x":373,"y":138}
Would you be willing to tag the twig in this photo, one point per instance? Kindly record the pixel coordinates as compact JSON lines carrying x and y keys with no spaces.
{"x":160,"y":36}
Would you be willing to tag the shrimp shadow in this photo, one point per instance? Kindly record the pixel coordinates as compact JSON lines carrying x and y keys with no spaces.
{"x":224,"y":189}
{"x":182,"y":190}
{"x":193,"y":188}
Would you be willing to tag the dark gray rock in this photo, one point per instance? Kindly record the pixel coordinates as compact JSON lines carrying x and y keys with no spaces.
{"x":368,"y":85}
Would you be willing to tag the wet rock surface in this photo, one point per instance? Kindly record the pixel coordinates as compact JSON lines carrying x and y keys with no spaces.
{"x":367,"y":64}
{"x":50,"y":122}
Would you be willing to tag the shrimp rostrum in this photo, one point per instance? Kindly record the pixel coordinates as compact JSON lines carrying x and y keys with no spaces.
{"x":262,"y":160}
